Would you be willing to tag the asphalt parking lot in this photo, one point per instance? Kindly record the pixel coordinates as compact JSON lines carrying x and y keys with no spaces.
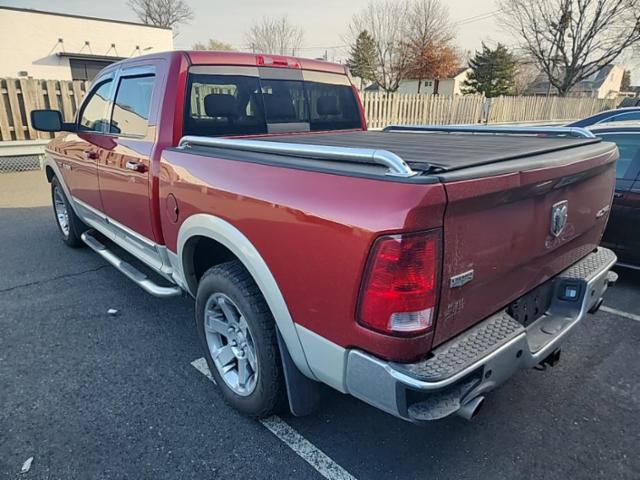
{"x":89,"y":395}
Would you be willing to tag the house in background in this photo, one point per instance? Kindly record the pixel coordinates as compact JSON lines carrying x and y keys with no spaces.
{"x":57,"y":46}
{"x":446,"y":86}
{"x":603,"y":84}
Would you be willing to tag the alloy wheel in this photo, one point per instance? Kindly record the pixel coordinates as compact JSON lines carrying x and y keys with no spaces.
{"x":231,"y":344}
{"x":60,"y":207}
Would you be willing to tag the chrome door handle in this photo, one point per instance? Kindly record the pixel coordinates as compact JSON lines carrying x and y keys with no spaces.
{"x":136,"y":166}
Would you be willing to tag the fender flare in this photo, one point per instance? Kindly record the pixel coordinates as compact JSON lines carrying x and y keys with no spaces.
{"x":215,"y":228}
{"x":50,"y":162}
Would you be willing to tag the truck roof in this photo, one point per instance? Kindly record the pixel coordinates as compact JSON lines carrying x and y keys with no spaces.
{"x":211,"y":57}
{"x":208,"y":57}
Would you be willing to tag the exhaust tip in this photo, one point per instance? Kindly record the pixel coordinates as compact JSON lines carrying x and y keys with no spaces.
{"x":470,"y":409}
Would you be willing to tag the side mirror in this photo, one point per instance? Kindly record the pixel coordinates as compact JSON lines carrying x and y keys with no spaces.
{"x":49,"y":121}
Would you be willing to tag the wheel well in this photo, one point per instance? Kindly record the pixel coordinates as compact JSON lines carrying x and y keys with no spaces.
{"x":199,"y":255}
{"x":49,"y":172}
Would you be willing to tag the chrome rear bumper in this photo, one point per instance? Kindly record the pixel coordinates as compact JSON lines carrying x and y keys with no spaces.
{"x":483,"y":357}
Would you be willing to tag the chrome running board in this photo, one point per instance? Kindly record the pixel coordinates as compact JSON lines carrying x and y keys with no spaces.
{"x":129,"y":270}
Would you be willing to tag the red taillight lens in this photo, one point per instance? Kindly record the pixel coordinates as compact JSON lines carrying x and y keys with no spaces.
{"x":399,"y":293}
{"x":277,"y":61}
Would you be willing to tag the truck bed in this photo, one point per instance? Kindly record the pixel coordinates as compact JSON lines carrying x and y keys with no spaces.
{"x":442,"y":152}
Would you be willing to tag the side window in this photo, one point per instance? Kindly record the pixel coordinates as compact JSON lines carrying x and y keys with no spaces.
{"x":623,"y":117}
{"x":132,"y":104}
{"x":629,"y":148}
{"x":94,"y":111}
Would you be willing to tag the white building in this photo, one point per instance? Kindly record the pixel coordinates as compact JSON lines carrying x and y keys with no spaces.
{"x":605,"y":83}
{"x":446,"y":86}
{"x":57,"y":46}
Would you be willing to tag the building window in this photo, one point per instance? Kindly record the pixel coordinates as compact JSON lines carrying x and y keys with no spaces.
{"x":82,"y":69}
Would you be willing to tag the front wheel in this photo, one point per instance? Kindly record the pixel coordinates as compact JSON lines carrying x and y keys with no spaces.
{"x":238,"y":334}
{"x":70,"y":226}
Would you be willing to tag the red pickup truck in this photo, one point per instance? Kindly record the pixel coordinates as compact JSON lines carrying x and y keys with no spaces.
{"x":415,"y":268}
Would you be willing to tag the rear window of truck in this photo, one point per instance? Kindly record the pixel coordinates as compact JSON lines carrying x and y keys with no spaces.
{"x":247,"y":105}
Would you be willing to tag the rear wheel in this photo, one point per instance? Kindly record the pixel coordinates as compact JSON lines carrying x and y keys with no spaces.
{"x":70,"y":226}
{"x":238,"y":334}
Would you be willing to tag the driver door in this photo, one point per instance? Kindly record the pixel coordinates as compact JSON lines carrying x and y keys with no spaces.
{"x":78,"y":152}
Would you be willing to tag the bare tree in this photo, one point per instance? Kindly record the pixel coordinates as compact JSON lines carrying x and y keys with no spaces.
{"x":213,"y":44}
{"x":428,"y":22}
{"x":429,"y":36}
{"x":387,"y":22}
{"x":526,"y":73}
{"x":274,"y":35}
{"x":570,"y":40}
{"x":162,"y":13}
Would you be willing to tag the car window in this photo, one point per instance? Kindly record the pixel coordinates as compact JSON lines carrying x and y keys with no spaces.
{"x":93,"y":117}
{"x":131,"y":106}
{"x":223,"y":105}
{"x":220,"y":104}
{"x":623,"y":117}
{"x":332,"y":107}
{"x":629,"y":147}
{"x":284,"y":101}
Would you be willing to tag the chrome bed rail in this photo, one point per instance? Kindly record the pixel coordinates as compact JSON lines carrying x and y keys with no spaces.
{"x":555,"y":131}
{"x":396,"y":166}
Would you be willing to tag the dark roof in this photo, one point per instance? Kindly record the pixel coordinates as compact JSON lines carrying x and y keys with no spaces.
{"x":459,"y":71}
{"x":90,"y":56}
{"x":594,"y":82}
{"x":109,"y":20}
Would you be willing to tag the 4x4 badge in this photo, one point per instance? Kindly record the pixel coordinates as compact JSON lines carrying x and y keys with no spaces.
{"x":559,"y":214}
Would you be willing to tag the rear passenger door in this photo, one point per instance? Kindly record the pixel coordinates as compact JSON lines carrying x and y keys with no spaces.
{"x":623,"y":229}
{"x":124,"y":167}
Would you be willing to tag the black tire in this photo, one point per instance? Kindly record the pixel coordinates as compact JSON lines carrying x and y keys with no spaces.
{"x":75,"y":226}
{"x":234,"y":281}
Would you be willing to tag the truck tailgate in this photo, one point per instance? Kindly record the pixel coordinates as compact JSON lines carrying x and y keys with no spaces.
{"x":499,"y":237}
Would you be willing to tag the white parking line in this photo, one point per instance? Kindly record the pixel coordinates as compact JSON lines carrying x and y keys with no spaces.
{"x":296,"y":442}
{"x":620,"y":313}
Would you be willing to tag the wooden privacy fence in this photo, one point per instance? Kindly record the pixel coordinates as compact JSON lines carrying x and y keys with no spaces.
{"x":382,"y":109}
{"x":19,"y":96}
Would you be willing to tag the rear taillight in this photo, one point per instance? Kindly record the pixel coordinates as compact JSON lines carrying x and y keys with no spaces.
{"x":399,"y":291}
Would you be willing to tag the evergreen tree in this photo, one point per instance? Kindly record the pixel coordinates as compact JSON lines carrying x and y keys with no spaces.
{"x":493,"y":72}
{"x":362,"y":60}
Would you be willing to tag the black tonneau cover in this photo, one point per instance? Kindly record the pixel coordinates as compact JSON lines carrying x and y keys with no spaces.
{"x":442,"y":152}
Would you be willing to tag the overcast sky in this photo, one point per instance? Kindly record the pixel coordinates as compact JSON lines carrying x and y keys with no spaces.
{"x":325,"y":22}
